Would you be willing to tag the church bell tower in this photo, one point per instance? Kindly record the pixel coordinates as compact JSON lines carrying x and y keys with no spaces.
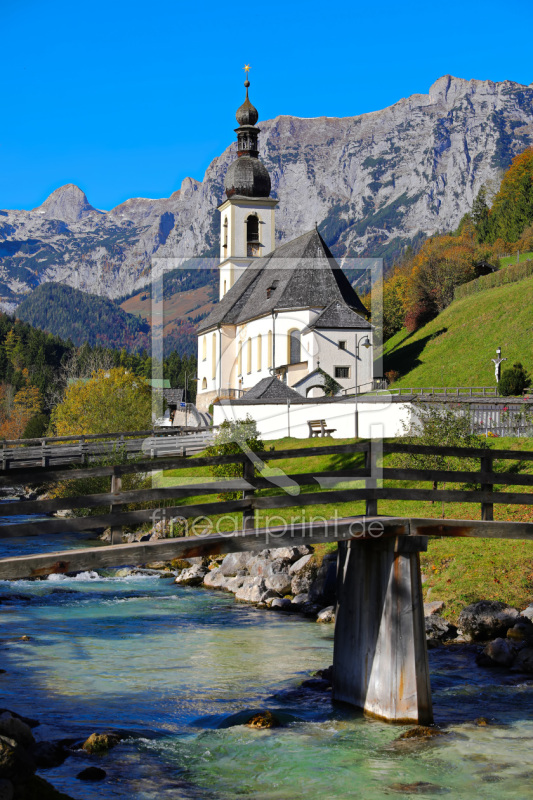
{"x":247,"y":228}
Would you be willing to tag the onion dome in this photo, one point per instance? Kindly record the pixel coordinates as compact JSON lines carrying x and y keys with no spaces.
{"x":247,"y":176}
{"x":247,"y":114}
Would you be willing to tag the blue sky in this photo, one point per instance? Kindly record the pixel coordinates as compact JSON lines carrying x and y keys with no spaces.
{"x":126,"y":99}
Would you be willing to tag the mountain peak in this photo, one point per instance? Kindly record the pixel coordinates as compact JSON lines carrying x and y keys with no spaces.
{"x":68,"y":203}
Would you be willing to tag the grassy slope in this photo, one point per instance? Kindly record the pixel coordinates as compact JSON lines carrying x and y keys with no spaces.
{"x":504,"y":262}
{"x":455,"y":348}
{"x":457,"y":571}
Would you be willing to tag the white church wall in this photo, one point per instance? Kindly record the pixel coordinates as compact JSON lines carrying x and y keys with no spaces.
{"x":274,"y":421}
{"x":330,"y":355}
{"x":285,"y":322}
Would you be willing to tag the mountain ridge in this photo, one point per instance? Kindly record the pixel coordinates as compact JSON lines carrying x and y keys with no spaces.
{"x":374,"y":182}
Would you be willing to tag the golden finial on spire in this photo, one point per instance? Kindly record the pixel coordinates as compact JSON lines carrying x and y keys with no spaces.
{"x":246,"y":68}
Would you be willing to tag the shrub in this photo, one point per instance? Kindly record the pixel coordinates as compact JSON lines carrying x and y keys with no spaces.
{"x":513,"y":381}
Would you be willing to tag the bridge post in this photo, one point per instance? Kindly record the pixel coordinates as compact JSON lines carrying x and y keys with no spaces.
{"x":380,"y":661}
{"x":116,"y":488}
{"x":248,"y":514}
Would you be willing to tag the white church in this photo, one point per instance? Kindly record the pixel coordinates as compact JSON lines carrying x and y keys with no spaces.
{"x":287,"y":316}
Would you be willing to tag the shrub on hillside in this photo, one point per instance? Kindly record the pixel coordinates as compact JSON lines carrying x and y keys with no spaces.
{"x":513,"y":381}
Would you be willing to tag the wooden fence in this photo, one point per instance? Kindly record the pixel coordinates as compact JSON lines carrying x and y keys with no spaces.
{"x":372,"y":474}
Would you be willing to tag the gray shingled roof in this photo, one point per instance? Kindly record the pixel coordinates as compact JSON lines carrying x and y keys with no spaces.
{"x":339,"y":315}
{"x":298,"y":274}
{"x":269,"y":389}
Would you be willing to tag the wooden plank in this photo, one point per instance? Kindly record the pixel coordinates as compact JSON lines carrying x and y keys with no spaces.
{"x":248,"y":515}
{"x":371,"y":466}
{"x":478,"y":529}
{"x":456,"y":476}
{"x":72,"y":561}
{"x":487,"y":509}
{"x":453,"y":495}
{"x":109,"y":498}
{"x":116,"y":507}
{"x":467,"y":452}
{"x":133,"y":518}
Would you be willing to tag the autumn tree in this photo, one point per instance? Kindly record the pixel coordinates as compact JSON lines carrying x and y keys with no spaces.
{"x":17,"y":409}
{"x":512,"y":207}
{"x":110,"y":401}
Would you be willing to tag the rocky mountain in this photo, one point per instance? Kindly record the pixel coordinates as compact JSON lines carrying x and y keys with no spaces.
{"x":373,"y":182}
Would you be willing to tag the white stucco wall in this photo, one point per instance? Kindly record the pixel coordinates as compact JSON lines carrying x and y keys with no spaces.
{"x":376,"y":420}
{"x":317,"y":348}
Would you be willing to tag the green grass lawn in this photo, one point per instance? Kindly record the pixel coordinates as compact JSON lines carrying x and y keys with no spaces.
{"x":458,"y":571}
{"x":455,"y":349}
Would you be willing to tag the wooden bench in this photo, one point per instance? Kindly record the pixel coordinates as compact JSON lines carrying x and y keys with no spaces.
{"x":317,"y":427}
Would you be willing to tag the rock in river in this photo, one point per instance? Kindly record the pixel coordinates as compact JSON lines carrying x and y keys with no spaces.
{"x":326,"y":615}
{"x":99,"y":743}
{"x":91,"y":774}
{"x":499,"y":653}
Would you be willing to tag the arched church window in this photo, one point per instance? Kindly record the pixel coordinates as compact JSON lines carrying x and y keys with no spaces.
{"x":270,"y":349}
{"x":214,"y":356}
{"x":225,"y":233}
{"x":295,"y":348}
{"x":224,"y":287}
{"x":204,"y":348}
{"x":259,"y":353}
{"x":249,"y":356}
{"x":252,"y":235}
{"x":204,"y":383}
{"x":239,"y":360}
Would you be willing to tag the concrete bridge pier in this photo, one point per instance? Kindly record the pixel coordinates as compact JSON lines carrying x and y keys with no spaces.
{"x":380,"y":661}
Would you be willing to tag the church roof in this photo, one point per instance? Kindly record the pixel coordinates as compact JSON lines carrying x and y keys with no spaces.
{"x":269,"y":389}
{"x":301,"y":273}
{"x":339,"y":315}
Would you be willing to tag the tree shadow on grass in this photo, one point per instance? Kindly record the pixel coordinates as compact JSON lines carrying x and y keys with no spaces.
{"x":407,"y":357}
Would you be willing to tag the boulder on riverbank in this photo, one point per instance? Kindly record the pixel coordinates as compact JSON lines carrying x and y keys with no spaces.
{"x":487,"y":619}
{"x":193,"y":576}
{"x":272,"y":577}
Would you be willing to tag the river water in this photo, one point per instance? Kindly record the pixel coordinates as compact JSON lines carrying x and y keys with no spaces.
{"x":172,"y":665}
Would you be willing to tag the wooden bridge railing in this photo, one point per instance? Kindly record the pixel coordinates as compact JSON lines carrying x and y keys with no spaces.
{"x":370,"y":472}
{"x":47,"y":451}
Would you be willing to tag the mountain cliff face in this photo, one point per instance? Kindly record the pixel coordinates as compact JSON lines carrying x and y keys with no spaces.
{"x":373,"y":183}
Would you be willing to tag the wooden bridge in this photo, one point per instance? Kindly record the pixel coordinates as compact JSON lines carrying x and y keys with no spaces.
{"x":55,"y":450}
{"x":380,"y":655}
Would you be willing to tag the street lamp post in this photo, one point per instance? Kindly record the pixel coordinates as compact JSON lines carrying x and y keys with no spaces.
{"x":366,"y":343}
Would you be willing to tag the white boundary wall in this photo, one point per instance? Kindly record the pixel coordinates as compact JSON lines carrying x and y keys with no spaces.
{"x":274,"y":420}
